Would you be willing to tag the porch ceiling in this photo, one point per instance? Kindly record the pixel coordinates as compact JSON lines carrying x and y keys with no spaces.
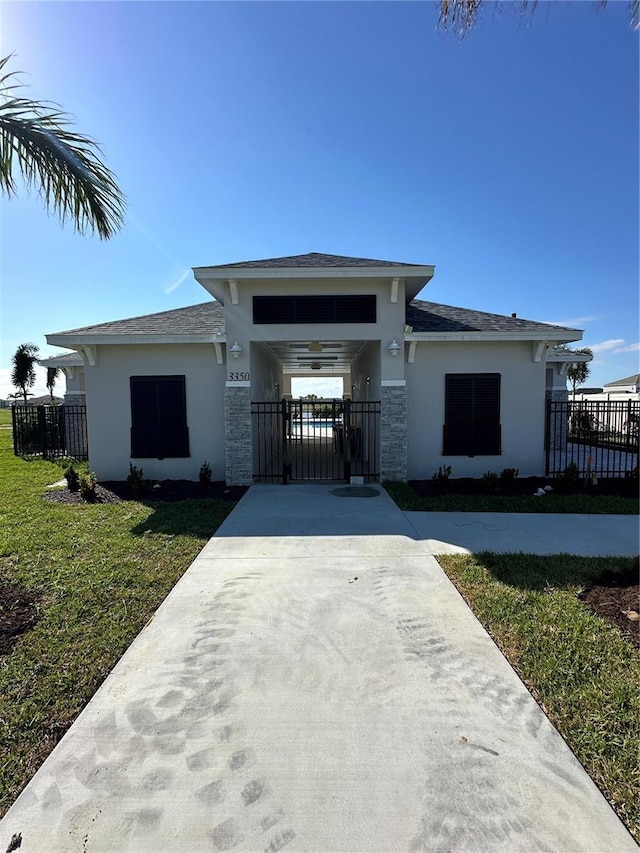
{"x":303,"y":356}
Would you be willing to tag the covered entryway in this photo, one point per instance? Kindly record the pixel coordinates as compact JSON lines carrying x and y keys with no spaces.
{"x":315,"y":440}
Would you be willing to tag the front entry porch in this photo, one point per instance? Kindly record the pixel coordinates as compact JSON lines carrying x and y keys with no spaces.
{"x":315,"y":441}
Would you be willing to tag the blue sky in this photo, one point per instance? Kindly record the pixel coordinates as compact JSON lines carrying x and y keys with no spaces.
{"x":249,"y":130}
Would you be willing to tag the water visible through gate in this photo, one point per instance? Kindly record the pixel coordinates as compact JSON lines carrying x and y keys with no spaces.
{"x":315,"y":440}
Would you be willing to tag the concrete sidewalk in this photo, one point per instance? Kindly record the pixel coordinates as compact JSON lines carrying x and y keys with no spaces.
{"x":313,"y":682}
{"x":583,"y":535}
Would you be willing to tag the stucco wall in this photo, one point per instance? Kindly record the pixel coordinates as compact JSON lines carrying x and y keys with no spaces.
{"x":266,"y":373}
{"x":366,"y":364}
{"x":522,"y":406}
{"x":109,"y":409}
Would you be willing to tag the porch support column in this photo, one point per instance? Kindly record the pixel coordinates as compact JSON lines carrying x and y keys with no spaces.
{"x":238,"y":443}
{"x":393,"y":429}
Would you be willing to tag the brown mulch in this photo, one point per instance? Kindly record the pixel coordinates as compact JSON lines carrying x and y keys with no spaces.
{"x":622,"y":486}
{"x":18,"y":613}
{"x":613,"y":596}
{"x":115,"y":491}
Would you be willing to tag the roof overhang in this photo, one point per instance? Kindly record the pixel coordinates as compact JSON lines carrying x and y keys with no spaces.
{"x":66,"y":359}
{"x":213,"y":278}
{"x":550,"y":336}
{"x":79,"y":341}
{"x":568,"y":357}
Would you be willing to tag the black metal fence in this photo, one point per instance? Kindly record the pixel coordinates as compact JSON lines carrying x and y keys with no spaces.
{"x":599,"y":437}
{"x":315,"y":440}
{"x":50,"y":431}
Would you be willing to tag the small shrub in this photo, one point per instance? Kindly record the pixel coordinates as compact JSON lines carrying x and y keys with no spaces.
{"x":88,"y":488}
{"x":135,"y":481}
{"x":507,"y":475}
{"x":441,"y":477}
{"x":569,"y":480}
{"x":490,"y":482}
{"x":205,"y":474}
{"x":72,"y":478}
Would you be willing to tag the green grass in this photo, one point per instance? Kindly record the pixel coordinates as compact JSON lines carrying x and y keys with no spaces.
{"x":5,"y":416}
{"x":407,"y":499}
{"x":581,"y":671}
{"x":101,"y":571}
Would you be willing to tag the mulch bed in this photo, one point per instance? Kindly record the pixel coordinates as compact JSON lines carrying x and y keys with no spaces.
{"x":622,"y":486}
{"x":18,"y":613}
{"x":115,"y":491}
{"x":612,"y":596}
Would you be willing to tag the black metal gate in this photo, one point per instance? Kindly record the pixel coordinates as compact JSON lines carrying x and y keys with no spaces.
{"x":50,"y":431}
{"x":598,"y":437}
{"x":315,"y":440}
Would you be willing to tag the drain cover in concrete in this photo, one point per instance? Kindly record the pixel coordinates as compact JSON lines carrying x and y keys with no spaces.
{"x":356,"y":492}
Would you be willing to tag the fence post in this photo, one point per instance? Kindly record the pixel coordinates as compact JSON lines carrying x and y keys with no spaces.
{"x":347,"y":441}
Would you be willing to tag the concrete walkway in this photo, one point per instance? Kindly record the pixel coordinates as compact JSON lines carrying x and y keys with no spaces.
{"x":313,"y":683}
{"x":584,"y":535}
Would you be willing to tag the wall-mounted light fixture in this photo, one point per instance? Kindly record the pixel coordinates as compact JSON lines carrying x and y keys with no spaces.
{"x":236,"y":350}
{"x":394,"y":348}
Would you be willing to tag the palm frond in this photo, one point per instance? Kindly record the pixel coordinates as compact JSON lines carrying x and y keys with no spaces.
{"x":65,"y":167}
{"x":461,"y":16}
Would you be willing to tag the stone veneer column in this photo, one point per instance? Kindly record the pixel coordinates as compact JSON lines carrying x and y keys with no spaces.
{"x":393,"y":432}
{"x":238,"y":436}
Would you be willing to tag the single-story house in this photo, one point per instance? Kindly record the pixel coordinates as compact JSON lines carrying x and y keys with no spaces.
{"x":424,"y":385}
{"x":620,"y":390}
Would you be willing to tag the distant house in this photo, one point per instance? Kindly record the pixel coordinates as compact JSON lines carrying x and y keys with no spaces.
{"x":44,"y":400}
{"x":620,"y":389}
{"x":628,"y":385}
{"x":424,"y":385}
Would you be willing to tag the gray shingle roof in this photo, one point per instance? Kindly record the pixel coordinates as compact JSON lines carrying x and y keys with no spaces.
{"x":72,"y":359}
{"x":311,"y":259}
{"x":628,"y":380}
{"x":433,"y":317}
{"x":206,"y":318}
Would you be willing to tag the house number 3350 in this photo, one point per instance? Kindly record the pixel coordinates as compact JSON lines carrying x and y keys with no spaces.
{"x":239,"y":377}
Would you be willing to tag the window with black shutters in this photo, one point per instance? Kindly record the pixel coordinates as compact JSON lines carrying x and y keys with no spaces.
{"x":472,"y":414}
{"x":338,"y":308}
{"x":158,"y":417}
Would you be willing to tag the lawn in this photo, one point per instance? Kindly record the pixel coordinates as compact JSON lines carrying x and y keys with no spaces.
{"x":408,"y":500}
{"x":99,"y":571}
{"x":578,"y":667}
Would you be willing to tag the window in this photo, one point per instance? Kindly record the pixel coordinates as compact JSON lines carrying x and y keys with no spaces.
{"x":472,"y":414}
{"x":314,"y":309}
{"x":158,"y":417}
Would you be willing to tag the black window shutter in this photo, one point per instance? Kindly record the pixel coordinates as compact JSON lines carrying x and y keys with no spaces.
{"x":339,"y":308}
{"x":472,"y":414}
{"x":158,"y":417}
{"x":174,"y":435}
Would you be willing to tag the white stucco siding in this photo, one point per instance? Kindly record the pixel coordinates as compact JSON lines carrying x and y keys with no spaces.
{"x":109,"y":409}
{"x":522,"y":406}
{"x":266,"y":374}
{"x":367,"y":366}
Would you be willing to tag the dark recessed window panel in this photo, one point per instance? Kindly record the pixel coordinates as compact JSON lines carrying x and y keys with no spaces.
{"x":314,"y":309}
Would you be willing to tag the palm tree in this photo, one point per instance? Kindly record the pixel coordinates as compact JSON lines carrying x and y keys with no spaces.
{"x":23,"y":374}
{"x":578,"y":373}
{"x":52,"y":375}
{"x":65,"y":167}
{"x":462,"y":15}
